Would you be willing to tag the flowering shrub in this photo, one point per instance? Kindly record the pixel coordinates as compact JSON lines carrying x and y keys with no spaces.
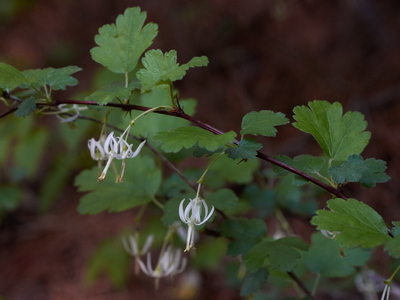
{"x":159,"y":125}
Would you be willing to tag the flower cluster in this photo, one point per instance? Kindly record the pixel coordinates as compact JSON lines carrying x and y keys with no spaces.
{"x":191,"y":216}
{"x":110,"y":148}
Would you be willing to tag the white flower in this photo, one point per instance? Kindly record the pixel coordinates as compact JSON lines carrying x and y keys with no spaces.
{"x":120,"y":150}
{"x":75,"y":109}
{"x":192,"y":217}
{"x":96,"y":149}
{"x":169,"y":263}
{"x":133,"y":248}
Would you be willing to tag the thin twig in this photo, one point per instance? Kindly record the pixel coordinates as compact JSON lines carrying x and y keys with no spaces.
{"x":301,"y":285}
{"x":178,"y":112}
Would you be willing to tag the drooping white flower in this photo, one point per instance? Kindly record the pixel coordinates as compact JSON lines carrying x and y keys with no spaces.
{"x":96,"y":149}
{"x":192,"y":217}
{"x":75,"y":109}
{"x":118,"y":149}
{"x":131,"y":246}
{"x":169,"y":263}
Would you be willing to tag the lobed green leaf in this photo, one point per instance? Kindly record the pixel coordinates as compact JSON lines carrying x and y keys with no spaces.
{"x":339,"y":136}
{"x":159,"y":67}
{"x":358,"y":224}
{"x":120,"y":45}
{"x":59,"y":79}
{"x":393,"y":247}
{"x":11,"y":77}
{"x":26,"y":107}
{"x":324,"y":257}
{"x":247,"y":149}
{"x":368,"y":172}
{"x":282,"y":254}
{"x":36,"y":76}
{"x":262,"y":122}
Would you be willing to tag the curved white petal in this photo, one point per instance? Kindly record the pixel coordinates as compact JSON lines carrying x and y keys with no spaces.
{"x":143,"y":267}
{"x":149,"y":267}
{"x":147,"y":244}
{"x":187,"y":211}
{"x":207,"y":217}
{"x":137,"y":151}
{"x":181,"y":213}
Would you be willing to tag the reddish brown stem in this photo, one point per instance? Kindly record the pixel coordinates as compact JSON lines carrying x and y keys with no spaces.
{"x":178,"y":112}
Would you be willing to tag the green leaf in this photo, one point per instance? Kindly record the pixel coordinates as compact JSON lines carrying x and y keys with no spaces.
{"x":339,"y":136}
{"x":357,"y":256}
{"x":110,"y":257}
{"x":396,"y":229}
{"x":282,"y":254}
{"x":142,"y":180}
{"x":159,"y":67}
{"x":37,"y":77}
{"x":308,"y":164}
{"x":247,"y":149}
{"x":111,"y":92}
{"x":209,"y":254}
{"x":324,"y":257}
{"x":246,"y":233}
{"x":11,"y":77}
{"x":393,"y":247}
{"x":368,"y":172}
{"x":293,"y":199}
{"x":121,"y":45}
{"x":261,"y":200}
{"x":225,"y":169}
{"x":59,"y":79}
{"x":26,"y":107}
{"x":171,"y":211}
{"x":358,"y":224}
{"x":262,"y":122}
{"x":186,"y":137}
{"x":253,"y":282}
{"x":223,"y":199}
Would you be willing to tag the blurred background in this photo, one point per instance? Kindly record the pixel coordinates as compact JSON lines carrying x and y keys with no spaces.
{"x":264,"y":54}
